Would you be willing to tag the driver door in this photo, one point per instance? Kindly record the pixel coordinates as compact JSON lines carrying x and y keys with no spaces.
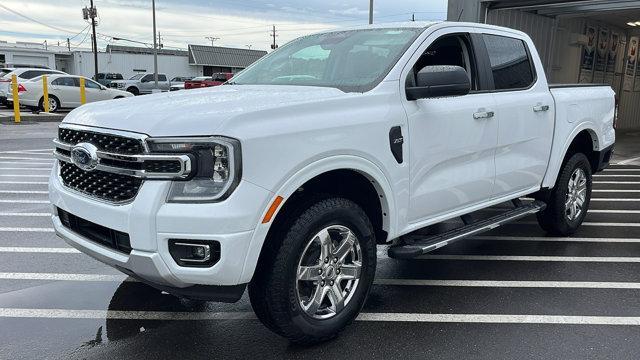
{"x":452,"y":140}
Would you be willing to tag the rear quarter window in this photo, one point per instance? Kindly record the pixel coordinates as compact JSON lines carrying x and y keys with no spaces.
{"x":511,"y":62}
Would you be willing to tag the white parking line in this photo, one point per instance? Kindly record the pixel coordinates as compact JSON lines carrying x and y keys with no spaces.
{"x":615,"y":190}
{"x":49,"y":250}
{"x":379,"y":317}
{"x":25,"y":182}
{"x":618,"y":182}
{"x":24,"y":158}
{"x":24,"y":151}
{"x":63,"y":277}
{"x":23,"y":192}
{"x":627,"y":161}
{"x":616,"y":175}
{"x":21,"y":229}
{"x":27,"y":169}
{"x":26,"y":214}
{"x":602,"y":259}
{"x":554,"y":239}
{"x":614,"y":211}
{"x":510,"y":284}
{"x":23,"y":163}
{"x":616,"y":170}
{"x":24,"y":175}
{"x":615,"y":199}
{"x":25,"y":201}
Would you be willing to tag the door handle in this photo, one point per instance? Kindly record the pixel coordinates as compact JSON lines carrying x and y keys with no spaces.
{"x":539,"y":108}
{"x":483,"y":115}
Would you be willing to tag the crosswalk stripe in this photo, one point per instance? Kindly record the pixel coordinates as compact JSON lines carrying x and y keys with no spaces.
{"x":599,"y":259}
{"x":25,"y":175}
{"x":21,"y":229}
{"x":25,"y":214}
{"x":25,"y":182}
{"x":365,"y":316}
{"x":23,"y":192}
{"x":50,"y":250}
{"x":554,"y":239}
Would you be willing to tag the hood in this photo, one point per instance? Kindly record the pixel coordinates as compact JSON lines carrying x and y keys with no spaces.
{"x":194,"y":112}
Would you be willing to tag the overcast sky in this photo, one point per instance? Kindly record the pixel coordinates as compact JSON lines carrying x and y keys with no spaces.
{"x":234,"y":22}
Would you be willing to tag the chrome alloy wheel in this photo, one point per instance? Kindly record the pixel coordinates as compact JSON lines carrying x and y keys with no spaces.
{"x":328,"y":272}
{"x":576,"y":194}
{"x":53,"y":105}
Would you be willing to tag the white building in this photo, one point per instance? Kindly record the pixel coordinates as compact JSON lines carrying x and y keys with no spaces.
{"x":579,"y":41}
{"x":128,"y":61}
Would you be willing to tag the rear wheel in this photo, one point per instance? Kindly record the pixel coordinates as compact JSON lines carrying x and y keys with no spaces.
{"x":568,"y":202}
{"x":134,"y":91}
{"x":313,"y":282}
{"x":54,"y":104}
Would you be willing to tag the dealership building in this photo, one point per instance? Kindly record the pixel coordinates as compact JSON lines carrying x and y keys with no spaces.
{"x":579,"y":41}
{"x":197,"y":60}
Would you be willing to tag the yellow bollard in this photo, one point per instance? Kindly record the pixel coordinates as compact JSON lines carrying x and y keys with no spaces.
{"x":16,"y":103}
{"x":83,"y":95}
{"x":45,"y":89}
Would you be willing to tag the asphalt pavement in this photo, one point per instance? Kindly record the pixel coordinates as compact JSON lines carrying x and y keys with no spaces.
{"x":512,"y":293}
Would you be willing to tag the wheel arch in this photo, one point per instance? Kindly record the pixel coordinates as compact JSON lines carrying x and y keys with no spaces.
{"x":583,"y":139}
{"x":352,"y":172}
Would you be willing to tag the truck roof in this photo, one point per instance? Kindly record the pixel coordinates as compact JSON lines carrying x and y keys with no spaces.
{"x":422,"y":25}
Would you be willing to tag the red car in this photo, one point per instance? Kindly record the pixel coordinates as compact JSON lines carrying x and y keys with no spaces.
{"x":207,"y":81}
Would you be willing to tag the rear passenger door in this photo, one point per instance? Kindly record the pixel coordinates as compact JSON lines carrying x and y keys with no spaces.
{"x":67,"y":90}
{"x":524,"y":111}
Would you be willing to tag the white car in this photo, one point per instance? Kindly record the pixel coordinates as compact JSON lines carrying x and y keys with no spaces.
{"x":23,"y":74}
{"x":285,"y":179}
{"x":64,"y":92}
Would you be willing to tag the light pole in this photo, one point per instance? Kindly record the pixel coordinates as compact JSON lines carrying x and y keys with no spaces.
{"x":370,"y":12}
{"x":155,"y":46}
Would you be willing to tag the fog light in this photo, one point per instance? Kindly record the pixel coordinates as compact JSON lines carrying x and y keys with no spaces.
{"x":194,"y":252}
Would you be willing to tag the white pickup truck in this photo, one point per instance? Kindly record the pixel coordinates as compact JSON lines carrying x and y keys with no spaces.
{"x":286,"y":178}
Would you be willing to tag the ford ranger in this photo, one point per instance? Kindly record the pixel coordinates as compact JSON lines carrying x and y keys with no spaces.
{"x":285,"y":179}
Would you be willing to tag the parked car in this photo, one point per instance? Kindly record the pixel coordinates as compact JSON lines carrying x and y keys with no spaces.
{"x":106,"y":78}
{"x":142,"y":84}
{"x":64,"y":92}
{"x":177,"y":83}
{"x":207,"y":81}
{"x":285,"y":179}
{"x":22,"y":74}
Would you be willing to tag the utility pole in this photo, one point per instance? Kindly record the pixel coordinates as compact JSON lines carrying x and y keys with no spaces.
{"x":160,"y":45}
{"x":68,"y":44}
{"x":273,"y":35}
{"x":370,"y":12}
{"x":212,"y":39}
{"x":91,"y":14}
{"x":413,"y":17}
{"x":155,"y":46}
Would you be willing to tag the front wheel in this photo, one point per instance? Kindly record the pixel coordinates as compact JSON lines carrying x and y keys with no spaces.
{"x":315,"y":277}
{"x":568,"y":202}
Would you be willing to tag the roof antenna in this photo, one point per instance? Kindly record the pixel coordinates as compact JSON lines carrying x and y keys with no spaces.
{"x":460,"y":15}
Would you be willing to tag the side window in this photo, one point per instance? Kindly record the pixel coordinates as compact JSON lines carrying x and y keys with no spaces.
{"x":162,"y":77}
{"x":147,"y":78}
{"x":91,"y":84}
{"x":511,"y":63}
{"x":448,"y":50}
{"x":64,"y":81}
{"x":29,"y":74}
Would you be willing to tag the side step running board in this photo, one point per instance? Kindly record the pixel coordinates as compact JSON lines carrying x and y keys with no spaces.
{"x":421,"y":246}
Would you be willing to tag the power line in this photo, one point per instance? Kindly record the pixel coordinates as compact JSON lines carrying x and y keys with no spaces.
{"x":37,"y":21}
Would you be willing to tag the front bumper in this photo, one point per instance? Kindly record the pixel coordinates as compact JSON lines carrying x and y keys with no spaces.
{"x":151,"y":223}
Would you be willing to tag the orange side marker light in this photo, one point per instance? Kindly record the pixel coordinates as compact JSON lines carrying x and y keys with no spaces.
{"x":272,"y":209}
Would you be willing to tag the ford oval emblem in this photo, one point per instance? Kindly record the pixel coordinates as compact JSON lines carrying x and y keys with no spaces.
{"x":84,"y":156}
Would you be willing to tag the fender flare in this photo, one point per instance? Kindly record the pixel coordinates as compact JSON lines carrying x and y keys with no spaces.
{"x":556,"y":161}
{"x":308,"y":172}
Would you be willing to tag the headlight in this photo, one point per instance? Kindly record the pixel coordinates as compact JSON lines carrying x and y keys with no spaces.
{"x":216,"y":167}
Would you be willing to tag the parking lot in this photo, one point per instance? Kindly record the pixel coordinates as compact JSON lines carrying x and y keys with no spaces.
{"x":511,"y":293}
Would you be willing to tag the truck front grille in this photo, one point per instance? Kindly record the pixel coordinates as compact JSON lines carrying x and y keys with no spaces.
{"x":105,"y":142}
{"x":100,"y":184}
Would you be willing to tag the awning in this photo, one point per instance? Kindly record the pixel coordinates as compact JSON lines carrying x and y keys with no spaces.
{"x":558,"y":7}
{"x":223,"y":56}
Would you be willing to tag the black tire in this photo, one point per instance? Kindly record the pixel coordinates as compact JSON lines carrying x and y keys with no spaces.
{"x":554,"y":219}
{"x":51,"y":109}
{"x":133,"y":90}
{"x":273,"y":290}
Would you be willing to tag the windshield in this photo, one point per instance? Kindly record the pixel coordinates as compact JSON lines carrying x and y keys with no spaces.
{"x":352,"y":61}
{"x":136,"y":77}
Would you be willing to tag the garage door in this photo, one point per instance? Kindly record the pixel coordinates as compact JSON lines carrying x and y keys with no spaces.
{"x":30,"y":60}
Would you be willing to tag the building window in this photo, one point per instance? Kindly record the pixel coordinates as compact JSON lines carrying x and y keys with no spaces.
{"x":2,"y":59}
{"x":510,"y":62}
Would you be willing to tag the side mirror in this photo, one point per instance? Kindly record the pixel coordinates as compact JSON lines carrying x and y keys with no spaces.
{"x":102,"y":87}
{"x":439,"y":81}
